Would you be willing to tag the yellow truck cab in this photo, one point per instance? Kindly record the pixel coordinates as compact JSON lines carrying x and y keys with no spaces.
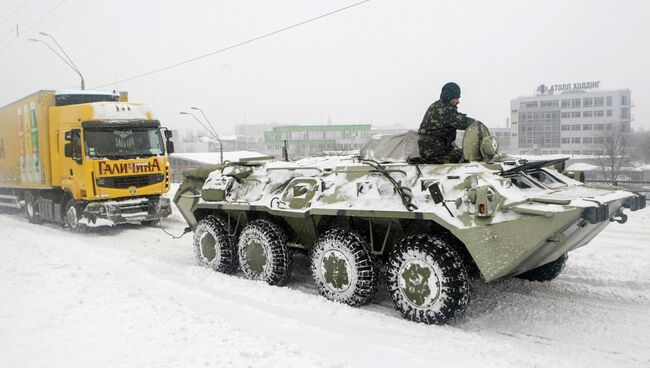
{"x":84,"y":158}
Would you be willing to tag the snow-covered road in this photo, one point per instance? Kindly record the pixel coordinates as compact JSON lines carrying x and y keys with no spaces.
{"x":133,"y":297}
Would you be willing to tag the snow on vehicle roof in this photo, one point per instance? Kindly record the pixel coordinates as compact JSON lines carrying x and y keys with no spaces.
{"x":120,"y":111}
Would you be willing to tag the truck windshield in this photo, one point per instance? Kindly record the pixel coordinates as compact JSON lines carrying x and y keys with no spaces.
{"x":123,"y":142}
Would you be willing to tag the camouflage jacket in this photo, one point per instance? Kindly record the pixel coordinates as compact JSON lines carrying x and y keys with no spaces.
{"x":441,"y":121}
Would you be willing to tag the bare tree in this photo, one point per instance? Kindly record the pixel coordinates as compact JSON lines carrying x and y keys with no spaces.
{"x":611,"y":150}
{"x":641,"y":147}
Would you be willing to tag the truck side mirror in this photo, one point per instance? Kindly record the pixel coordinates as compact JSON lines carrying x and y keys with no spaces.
{"x":170,"y":146}
{"x":168,"y":134}
{"x":67,"y":149}
{"x":72,"y":149}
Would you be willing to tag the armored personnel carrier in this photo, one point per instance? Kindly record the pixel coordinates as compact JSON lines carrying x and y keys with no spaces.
{"x":422,"y":229}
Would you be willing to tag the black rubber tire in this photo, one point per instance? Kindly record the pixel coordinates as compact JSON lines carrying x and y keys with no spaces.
{"x":68,"y":219}
{"x":546,"y":272}
{"x":272,"y":240}
{"x":31,"y":208}
{"x":361,"y":270}
{"x":432,"y":255}
{"x":220,"y":256}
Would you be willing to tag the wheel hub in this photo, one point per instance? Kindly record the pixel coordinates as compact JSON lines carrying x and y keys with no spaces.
{"x":256,"y":257}
{"x":419,"y":283}
{"x":208,"y":250}
{"x":336,"y":270}
{"x":71,"y":218}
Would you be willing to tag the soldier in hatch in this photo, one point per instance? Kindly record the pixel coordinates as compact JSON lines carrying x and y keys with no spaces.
{"x":438,"y":129}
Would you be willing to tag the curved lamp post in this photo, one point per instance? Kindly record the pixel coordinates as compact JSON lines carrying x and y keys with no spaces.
{"x":65,"y":59}
{"x":210,"y":130}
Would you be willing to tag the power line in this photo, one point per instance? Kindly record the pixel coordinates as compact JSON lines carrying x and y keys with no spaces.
{"x":3,"y":3}
{"x":16,"y":28}
{"x":232,"y":46}
{"x":14,"y":12}
{"x":33,"y":24}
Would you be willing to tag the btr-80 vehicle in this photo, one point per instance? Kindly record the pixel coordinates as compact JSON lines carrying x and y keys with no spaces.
{"x":426,"y":228}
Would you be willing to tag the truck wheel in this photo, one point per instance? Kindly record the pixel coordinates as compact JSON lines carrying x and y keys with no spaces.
{"x":71,"y":217}
{"x":31,"y":208}
{"x":263,"y":252}
{"x":427,"y":280}
{"x":546,"y":272}
{"x":343,"y":267}
{"x":213,"y":247}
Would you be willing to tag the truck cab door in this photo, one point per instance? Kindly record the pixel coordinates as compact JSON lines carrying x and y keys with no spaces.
{"x":71,"y":164}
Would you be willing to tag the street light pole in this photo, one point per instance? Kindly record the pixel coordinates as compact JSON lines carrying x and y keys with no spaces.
{"x":67,"y":58}
{"x":211,"y":132}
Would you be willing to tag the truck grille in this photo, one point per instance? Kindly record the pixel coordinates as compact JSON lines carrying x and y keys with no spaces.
{"x":123,"y":182}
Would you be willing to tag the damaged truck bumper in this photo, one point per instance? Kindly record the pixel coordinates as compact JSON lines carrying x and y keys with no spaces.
{"x":128,"y":211}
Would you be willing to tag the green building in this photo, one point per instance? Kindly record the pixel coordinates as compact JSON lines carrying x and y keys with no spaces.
{"x":307,"y":140}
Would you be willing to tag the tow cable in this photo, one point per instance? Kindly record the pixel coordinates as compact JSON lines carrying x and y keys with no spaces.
{"x":187,"y":230}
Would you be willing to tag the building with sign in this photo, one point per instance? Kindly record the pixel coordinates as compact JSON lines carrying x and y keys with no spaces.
{"x":306,"y":140}
{"x":568,"y":118}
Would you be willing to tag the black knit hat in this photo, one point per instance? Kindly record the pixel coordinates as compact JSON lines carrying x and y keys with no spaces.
{"x":449,"y":91}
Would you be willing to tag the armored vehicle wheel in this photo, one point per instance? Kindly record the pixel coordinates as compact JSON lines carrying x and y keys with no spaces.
{"x":546,"y":272}
{"x":213,"y":247}
{"x":263,"y":252}
{"x":343,"y":268}
{"x":31,"y":211}
{"x":426,"y":280}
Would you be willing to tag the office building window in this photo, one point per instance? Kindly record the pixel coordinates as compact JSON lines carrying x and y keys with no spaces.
{"x":587,"y":102}
{"x":587,"y":153}
{"x":599,"y":101}
{"x":575,"y":127}
{"x":625,"y":127}
{"x":566,"y":140}
{"x":548,"y":116}
{"x":566,"y":104}
{"x":599,"y":127}
{"x":587,"y":127}
{"x":566,"y":127}
{"x":609,"y":100}
{"x":609,"y":113}
{"x":575,"y":114}
{"x":565,"y":114}
{"x":599,"y":113}
{"x":599,"y":140}
{"x":624,"y":100}
{"x":587,"y":114}
{"x":625,"y":113}
{"x":608,"y":126}
{"x":575,"y":152}
{"x":566,"y":152}
{"x":548,"y":104}
{"x":575,"y":102}
{"x":587,"y":140}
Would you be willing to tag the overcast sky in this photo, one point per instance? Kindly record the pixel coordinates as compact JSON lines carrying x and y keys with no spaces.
{"x":382,"y":62}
